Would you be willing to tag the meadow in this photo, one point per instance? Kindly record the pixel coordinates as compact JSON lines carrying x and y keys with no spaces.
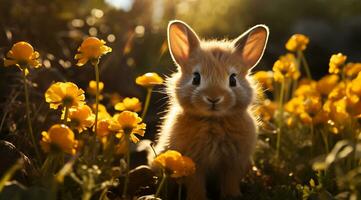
{"x":83,"y":139}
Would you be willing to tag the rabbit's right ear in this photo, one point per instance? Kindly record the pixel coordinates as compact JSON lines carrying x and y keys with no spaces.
{"x":182,"y":42}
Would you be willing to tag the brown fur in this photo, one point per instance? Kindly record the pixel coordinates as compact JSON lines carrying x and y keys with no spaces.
{"x":220,"y":141}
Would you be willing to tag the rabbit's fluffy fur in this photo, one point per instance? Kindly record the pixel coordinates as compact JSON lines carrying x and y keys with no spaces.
{"x":220,"y":137}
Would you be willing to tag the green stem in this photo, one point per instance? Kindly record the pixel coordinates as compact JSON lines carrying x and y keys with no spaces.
{"x":164,"y":177}
{"x":46,"y":163}
{"x":325,"y":141}
{"x":66,"y":113}
{"x":147,"y":101}
{"x":47,"y":167}
{"x":354,"y":126}
{"x":10,"y":173}
{"x":109,"y":149}
{"x":86,"y":195}
{"x":53,"y":189}
{"x":52,"y":163}
{"x":305,"y":64}
{"x":103,"y":195}
{"x":312,"y":138}
{"x":288,"y":90}
{"x":179,"y":191}
{"x":294,"y":87}
{"x":96,"y":65}
{"x":280,"y":118}
{"x":126,"y":180}
{"x":93,"y":139}
{"x":30,"y":127}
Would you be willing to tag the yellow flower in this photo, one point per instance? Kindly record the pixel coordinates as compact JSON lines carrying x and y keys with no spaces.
{"x":326,"y":84}
{"x":266,"y":110}
{"x":149,"y":80}
{"x":291,"y":121}
{"x":130,"y":104}
{"x":337,"y":110}
{"x":336,"y":106}
{"x":353,"y":95}
{"x":311,"y":111}
{"x":307,"y":90}
{"x":353,"y":89}
{"x":297,"y":42}
{"x":65,"y":94}
{"x":81,"y":117}
{"x":92,"y":88}
{"x":104,"y":120}
{"x":344,"y":100}
{"x":101,"y":108}
{"x":354,"y":109}
{"x":102,"y":111}
{"x":59,"y":137}
{"x":22,"y":55}
{"x":308,"y":108}
{"x":265,"y":78}
{"x":91,"y":48}
{"x":128,"y":122}
{"x":338,"y":92}
{"x":285,"y":68}
{"x":294,"y":105}
{"x":175,"y":164}
{"x":336,"y":62}
{"x":320,"y":117}
{"x":352,"y":69}
{"x":103,"y":127}
{"x":288,"y":57}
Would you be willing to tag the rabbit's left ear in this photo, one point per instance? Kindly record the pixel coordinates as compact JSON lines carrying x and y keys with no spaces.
{"x":251,"y":45}
{"x":182,"y":42}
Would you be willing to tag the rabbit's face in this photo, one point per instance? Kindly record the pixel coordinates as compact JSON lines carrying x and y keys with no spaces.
{"x":214,"y":83}
{"x":212,"y":75}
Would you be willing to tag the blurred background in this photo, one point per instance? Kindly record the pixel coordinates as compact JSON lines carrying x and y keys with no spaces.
{"x":136,"y":31}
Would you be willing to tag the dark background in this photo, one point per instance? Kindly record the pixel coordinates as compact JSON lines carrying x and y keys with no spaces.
{"x":57,"y":27}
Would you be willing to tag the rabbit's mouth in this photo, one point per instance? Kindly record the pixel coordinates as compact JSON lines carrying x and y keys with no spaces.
{"x":209,"y":110}
{"x":210,"y":106}
{"x":213,"y":108}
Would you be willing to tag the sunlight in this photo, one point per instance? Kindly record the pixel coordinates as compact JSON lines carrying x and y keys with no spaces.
{"x":180,"y":99}
{"x":125,"y":5}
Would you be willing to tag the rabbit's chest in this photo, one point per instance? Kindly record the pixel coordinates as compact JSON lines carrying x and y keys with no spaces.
{"x":214,"y":146}
{"x":220,"y":150}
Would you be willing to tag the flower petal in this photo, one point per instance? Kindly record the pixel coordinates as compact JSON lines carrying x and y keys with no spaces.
{"x":8,"y":62}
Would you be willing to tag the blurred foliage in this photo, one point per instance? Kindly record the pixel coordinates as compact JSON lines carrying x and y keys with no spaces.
{"x":56,"y":28}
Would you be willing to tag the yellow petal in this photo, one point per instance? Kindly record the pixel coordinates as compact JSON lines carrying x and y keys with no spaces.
{"x":34,"y":63}
{"x":8,"y":62}
{"x":35,"y":55}
{"x":119,"y":107}
{"x":82,"y":62}
{"x":134,"y":138}
{"x":78,"y":56}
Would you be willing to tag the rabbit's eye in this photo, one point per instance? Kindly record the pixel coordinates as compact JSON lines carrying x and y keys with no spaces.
{"x":196,"y":78}
{"x":232,"y":80}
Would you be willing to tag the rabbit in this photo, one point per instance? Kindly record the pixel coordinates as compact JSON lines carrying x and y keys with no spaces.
{"x":210,"y":95}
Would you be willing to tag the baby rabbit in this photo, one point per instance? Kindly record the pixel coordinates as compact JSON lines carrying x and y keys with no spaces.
{"x":208,"y":117}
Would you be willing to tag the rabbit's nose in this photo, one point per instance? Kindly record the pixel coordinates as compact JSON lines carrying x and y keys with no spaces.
{"x":213,"y":100}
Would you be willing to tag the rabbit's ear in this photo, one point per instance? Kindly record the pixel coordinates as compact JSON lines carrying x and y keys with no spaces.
{"x":251,"y":45}
{"x":182,"y":41}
